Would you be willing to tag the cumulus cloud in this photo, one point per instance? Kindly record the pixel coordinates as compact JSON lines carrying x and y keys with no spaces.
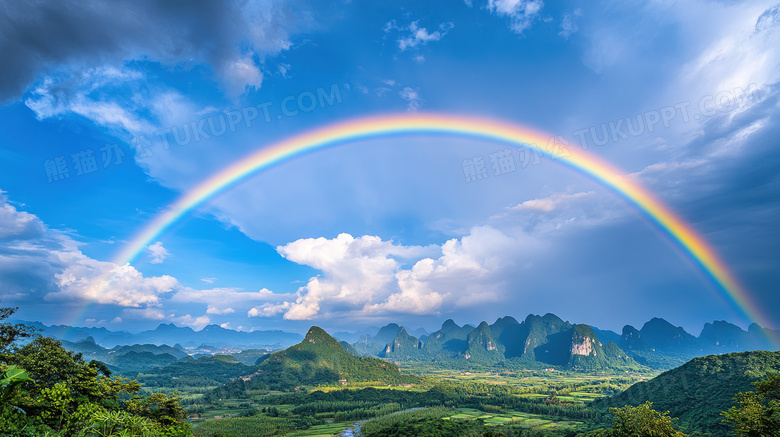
{"x":37,"y":261}
{"x":269,"y":309}
{"x":368,"y":276}
{"x":87,"y":279}
{"x":157,"y":253}
{"x":43,"y":266}
{"x":521,"y":13}
{"x":241,"y":75}
{"x":43,"y":36}
{"x":15,"y":224}
{"x":357,"y":271}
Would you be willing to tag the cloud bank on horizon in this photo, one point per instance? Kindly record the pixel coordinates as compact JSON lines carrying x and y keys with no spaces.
{"x":113,"y":110}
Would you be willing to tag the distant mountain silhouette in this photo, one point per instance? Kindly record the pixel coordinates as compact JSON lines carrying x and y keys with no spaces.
{"x":168,"y":333}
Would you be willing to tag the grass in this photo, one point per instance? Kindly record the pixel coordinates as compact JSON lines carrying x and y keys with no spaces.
{"x":515,"y":417}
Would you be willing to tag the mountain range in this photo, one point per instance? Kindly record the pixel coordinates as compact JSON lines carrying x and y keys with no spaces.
{"x":170,"y":334}
{"x":548,"y":340}
{"x":537,"y":341}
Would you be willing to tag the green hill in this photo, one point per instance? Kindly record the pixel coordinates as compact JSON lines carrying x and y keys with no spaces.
{"x":404,"y":347}
{"x":482,"y":346}
{"x":534,"y":333}
{"x":700,"y":390}
{"x":153,"y":348}
{"x":141,"y":361}
{"x":196,"y":372}
{"x":508,"y":331}
{"x":251,"y":356}
{"x":578,"y":348}
{"x":369,"y":345}
{"x":320,"y":359}
{"x":349,"y":348}
{"x":448,"y":342}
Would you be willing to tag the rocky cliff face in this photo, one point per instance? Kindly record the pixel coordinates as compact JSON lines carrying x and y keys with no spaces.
{"x":583,"y":346}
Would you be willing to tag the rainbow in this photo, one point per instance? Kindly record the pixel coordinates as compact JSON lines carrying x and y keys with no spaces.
{"x":677,"y":230}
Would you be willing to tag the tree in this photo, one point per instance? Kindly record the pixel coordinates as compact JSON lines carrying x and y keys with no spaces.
{"x":639,"y":421}
{"x":47,"y":390}
{"x":642,"y":421}
{"x":11,"y":332}
{"x":757,"y":412}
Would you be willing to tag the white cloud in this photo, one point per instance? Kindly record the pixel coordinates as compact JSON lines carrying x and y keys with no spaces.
{"x":270,"y":310}
{"x":357,"y":271}
{"x":745,"y":51}
{"x":106,"y":283}
{"x":569,"y":25}
{"x":241,"y":75}
{"x":157,"y":252}
{"x":521,"y":13}
{"x":142,"y":313}
{"x":15,"y":224}
{"x":88,"y":94}
{"x":195,"y":323}
{"x":212,"y":310}
{"x":283,"y":69}
{"x":549,"y":204}
{"x":418,"y":36}
{"x":412,"y":97}
{"x":58,"y":271}
{"x":225,"y":300}
{"x":362,"y":277}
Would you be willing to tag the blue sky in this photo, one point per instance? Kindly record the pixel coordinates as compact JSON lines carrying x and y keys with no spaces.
{"x":128,"y":97}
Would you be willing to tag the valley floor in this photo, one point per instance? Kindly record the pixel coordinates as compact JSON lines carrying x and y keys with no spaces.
{"x":550,"y":402}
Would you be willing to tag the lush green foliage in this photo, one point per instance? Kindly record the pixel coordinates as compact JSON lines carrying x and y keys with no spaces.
{"x":190,"y":372}
{"x":642,"y":421}
{"x":700,"y":390}
{"x":757,"y":412}
{"x":47,"y":390}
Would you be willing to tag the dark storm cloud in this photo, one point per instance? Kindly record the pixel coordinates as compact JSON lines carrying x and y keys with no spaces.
{"x":745,"y":160}
{"x":733,"y":196}
{"x":39,"y":35}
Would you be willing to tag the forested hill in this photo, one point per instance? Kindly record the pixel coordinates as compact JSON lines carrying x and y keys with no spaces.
{"x":701,"y":389}
{"x":318,"y":359}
